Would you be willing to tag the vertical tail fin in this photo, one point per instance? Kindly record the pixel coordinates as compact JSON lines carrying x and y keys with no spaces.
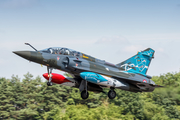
{"x":139,"y":63}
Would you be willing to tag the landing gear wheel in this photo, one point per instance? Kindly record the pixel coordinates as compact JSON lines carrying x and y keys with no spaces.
{"x":49,"y":83}
{"x":111,"y":94}
{"x":84,"y":94}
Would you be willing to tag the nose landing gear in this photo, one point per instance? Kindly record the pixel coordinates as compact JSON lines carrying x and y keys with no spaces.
{"x":49,"y":83}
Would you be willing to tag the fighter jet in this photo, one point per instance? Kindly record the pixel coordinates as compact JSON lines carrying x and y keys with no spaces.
{"x":92,"y":74}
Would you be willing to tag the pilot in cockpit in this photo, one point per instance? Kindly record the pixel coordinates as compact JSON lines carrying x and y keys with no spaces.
{"x":61,"y":51}
{"x":50,"y":50}
{"x":67,"y":52}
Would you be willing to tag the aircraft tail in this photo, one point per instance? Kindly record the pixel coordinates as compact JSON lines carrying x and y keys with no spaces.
{"x":139,"y":63}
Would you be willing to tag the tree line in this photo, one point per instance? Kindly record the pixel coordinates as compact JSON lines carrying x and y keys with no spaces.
{"x":31,"y":99}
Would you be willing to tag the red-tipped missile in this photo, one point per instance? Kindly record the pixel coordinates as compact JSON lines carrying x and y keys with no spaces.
{"x":56,"y":78}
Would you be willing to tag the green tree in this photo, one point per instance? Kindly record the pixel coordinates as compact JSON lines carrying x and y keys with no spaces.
{"x":6,"y":105}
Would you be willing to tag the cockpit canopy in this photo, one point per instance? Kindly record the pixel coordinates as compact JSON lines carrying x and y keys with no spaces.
{"x":67,"y":51}
{"x":62,"y":51}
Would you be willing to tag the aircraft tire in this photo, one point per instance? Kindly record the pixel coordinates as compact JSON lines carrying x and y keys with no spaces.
{"x":84,"y":95}
{"x":111,"y":94}
{"x":49,"y":83}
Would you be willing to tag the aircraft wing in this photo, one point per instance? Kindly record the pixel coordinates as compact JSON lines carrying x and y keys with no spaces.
{"x":127,"y":77}
{"x":147,"y":86}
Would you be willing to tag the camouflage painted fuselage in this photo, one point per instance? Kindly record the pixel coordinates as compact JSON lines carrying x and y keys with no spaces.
{"x":75,"y":65}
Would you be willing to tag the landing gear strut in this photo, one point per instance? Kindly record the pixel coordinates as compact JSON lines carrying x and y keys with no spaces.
{"x":111,"y":94}
{"x":83,"y":89}
{"x":49,"y":83}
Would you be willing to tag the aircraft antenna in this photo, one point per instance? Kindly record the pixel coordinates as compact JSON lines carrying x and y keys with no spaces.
{"x":31,"y":46}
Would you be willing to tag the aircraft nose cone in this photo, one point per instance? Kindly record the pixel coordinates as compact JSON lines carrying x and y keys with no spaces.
{"x":29,"y":55}
{"x":24,"y":54}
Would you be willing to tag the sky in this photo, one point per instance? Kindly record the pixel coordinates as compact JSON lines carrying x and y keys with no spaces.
{"x":111,"y":30}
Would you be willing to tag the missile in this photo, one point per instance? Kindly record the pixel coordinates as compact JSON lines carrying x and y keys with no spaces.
{"x":57,"y":78}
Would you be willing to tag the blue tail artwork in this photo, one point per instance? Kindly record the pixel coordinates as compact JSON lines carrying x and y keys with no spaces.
{"x":139,"y":63}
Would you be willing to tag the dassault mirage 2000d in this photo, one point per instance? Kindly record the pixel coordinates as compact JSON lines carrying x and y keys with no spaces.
{"x":92,"y":74}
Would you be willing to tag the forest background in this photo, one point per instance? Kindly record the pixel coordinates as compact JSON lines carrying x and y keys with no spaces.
{"x":31,"y":99}
{"x":108,"y":30}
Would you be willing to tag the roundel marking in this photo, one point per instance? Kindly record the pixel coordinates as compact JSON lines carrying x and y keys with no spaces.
{"x":144,"y":81}
{"x":58,"y":58}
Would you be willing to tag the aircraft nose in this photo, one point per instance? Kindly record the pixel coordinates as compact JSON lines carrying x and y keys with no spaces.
{"x":24,"y":54}
{"x":29,"y":55}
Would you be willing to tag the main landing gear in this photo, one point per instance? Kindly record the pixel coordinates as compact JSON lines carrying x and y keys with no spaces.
{"x":111,"y":94}
{"x":84,"y":94}
{"x":49,"y":83}
{"x":83,"y":89}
